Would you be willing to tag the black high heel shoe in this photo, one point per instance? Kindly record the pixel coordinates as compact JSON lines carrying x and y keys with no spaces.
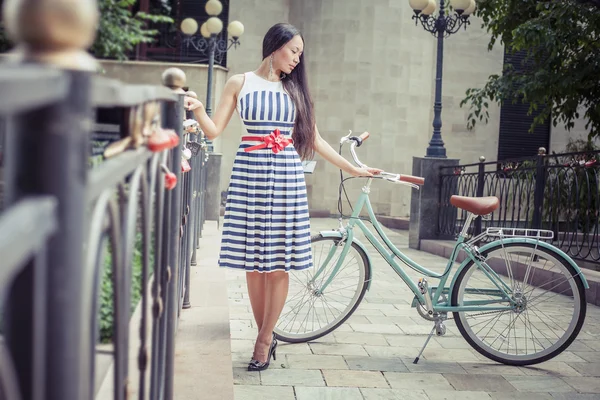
{"x":256,"y":365}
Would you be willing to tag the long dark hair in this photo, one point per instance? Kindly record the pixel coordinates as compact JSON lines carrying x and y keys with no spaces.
{"x":297,"y":86}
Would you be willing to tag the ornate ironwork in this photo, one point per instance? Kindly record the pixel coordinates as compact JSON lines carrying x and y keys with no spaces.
{"x":559,"y":192}
{"x":203,"y":46}
{"x":446,"y":24}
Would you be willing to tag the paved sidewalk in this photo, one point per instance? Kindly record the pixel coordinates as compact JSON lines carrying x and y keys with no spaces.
{"x":370,"y":356}
{"x":202,"y":346}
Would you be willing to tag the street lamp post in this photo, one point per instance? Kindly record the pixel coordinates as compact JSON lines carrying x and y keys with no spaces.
{"x":442,"y":26}
{"x":208,"y":41}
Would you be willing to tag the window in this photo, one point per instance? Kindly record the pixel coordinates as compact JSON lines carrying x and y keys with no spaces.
{"x":171,"y":44}
{"x":515,"y":140}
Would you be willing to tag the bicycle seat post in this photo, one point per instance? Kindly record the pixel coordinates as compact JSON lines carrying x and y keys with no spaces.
{"x":465,"y":229}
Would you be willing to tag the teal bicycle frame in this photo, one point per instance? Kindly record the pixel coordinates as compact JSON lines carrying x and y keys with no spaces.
{"x":503,"y":291}
{"x":390,"y":252}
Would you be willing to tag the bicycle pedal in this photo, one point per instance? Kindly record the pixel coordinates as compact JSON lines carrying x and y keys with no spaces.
{"x":440,"y":329}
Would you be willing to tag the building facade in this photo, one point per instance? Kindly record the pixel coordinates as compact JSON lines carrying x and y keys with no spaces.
{"x":369,"y":68}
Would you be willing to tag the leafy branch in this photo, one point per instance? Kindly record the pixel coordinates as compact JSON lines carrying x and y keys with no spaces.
{"x":561,"y":43}
{"x":119,"y":31}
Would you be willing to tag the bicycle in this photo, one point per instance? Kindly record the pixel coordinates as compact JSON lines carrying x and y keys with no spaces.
{"x":498,"y":296}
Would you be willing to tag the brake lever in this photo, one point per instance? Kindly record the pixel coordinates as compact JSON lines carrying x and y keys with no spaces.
{"x":345,"y":138}
{"x":395,"y":178}
{"x":412,"y":185}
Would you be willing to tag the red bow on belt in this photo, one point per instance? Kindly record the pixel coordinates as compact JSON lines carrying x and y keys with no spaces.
{"x":274,"y":141}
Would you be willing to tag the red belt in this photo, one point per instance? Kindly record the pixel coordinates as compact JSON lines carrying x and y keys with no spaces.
{"x":274,"y":141}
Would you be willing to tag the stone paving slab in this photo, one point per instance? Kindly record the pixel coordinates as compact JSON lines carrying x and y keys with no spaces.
{"x":371,"y":356}
{"x":408,"y":381}
{"x":383,"y":364}
{"x":485,"y":383}
{"x":252,"y":392}
{"x":328,"y":393}
{"x":462,"y":395}
{"x":520,"y":395}
{"x":393,"y":394}
{"x":367,"y":379}
{"x":292,"y":377}
{"x":314,"y":361}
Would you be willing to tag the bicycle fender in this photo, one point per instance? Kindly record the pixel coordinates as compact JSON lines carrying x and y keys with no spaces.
{"x":498,"y":243}
{"x":337,"y":234}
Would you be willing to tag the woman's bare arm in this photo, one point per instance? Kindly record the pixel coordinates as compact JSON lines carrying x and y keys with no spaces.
{"x":213,"y":127}
{"x":325,"y":150}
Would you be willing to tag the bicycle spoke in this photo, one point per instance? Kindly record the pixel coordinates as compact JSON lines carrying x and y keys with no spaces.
{"x":543,"y":317}
{"x":309,"y":311}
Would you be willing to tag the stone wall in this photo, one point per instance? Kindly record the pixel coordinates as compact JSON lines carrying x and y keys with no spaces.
{"x":370,"y":68}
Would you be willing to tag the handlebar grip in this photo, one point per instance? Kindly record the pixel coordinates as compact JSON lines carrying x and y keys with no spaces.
{"x":364,"y":136}
{"x":417,"y":180}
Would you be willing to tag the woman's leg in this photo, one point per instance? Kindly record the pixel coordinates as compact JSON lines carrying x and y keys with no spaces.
{"x":257,"y":291}
{"x":277,"y":284}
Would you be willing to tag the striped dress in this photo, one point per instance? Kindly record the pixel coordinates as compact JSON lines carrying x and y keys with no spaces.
{"x":266,"y":226}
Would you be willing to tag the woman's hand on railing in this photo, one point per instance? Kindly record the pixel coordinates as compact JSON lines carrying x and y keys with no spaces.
{"x":192,"y":104}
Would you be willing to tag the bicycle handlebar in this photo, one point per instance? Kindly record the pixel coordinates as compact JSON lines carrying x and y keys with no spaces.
{"x":417,"y":180}
{"x":410,"y":180}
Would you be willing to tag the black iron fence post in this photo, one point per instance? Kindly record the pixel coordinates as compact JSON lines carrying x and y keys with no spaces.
{"x":50,"y":148}
{"x":197,"y":166}
{"x":540,"y":185}
{"x":189,"y":220}
{"x":173,"y":120}
{"x":479,"y":193}
{"x":205,"y":158}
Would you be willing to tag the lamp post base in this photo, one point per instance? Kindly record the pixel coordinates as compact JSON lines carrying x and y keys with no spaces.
{"x":436,"y":152}
{"x":425,"y":203}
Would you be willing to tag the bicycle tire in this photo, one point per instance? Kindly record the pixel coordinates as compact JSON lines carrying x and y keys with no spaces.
{"x":515,"y":360}
{"x":362,"y":286}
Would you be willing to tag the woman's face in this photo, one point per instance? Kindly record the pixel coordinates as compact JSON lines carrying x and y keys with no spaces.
{"x":288,"y":56}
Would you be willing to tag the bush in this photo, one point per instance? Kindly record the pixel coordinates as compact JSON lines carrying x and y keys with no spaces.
{"x":106,"y":294}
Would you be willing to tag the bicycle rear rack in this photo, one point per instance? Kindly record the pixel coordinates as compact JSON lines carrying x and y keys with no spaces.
{"x":540,"y":234}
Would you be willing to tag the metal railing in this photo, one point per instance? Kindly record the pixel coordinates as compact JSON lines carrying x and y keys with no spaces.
{"x":558,"y":192}
{"x":62,"y":220}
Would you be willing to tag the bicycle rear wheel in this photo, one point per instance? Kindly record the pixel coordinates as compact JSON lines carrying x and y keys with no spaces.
{"x":309,"y":314}
{"x":550,"y":304}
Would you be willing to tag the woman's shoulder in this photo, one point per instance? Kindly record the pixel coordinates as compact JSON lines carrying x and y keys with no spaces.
{"x":237,"y":81}
{"x":234,"y":85}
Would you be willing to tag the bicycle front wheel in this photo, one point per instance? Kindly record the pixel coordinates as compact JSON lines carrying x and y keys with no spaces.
{"x":309,"y":312}
{"x":549,"y":299}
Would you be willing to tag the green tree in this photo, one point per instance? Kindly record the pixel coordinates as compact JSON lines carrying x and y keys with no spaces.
{"x":120,"y":29}
{"x":561,"y":39}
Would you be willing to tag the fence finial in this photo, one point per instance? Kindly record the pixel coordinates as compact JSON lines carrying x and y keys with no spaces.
{"x":56,"y":32}
{"x":542,"y":151}
{"x":481,"y":158}
{"x":174,"y":78}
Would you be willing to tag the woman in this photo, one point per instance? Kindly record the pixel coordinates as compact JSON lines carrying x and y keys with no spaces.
{"x":266,"y":228}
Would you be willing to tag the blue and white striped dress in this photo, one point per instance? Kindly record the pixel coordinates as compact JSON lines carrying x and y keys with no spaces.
{"x":266,"y":226}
